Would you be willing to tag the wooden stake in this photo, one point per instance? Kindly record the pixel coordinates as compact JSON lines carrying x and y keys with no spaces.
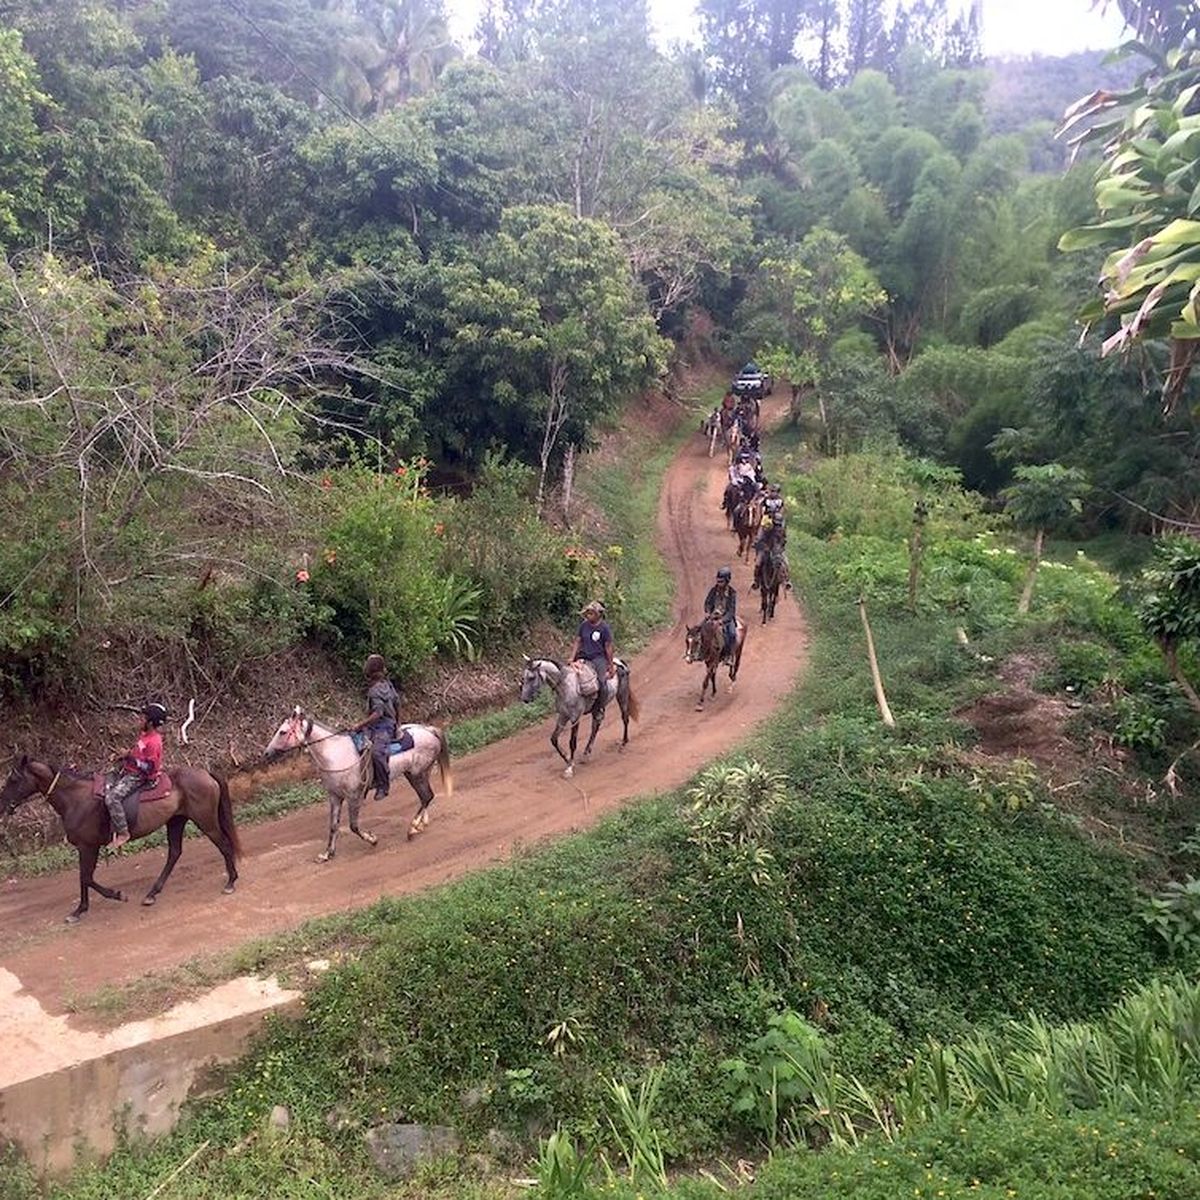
{"x":885,"y":711}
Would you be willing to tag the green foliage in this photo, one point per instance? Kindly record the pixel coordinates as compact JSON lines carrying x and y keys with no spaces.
{"x":1045,"y":497}
{"x":1173,"y":913}
{"x":563,"y":1173}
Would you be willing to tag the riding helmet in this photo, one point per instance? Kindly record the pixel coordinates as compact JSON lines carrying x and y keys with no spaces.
{"x":725,"y":573}
{"x":155,"y":714}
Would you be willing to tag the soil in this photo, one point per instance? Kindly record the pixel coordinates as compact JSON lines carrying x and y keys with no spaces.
{"x":507,"y":796}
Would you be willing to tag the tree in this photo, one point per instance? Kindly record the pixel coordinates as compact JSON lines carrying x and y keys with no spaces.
{"x":1042,"y":498}
{"x":1169,"y":608}
{"x":22,"y":167}
{"x":1148,"y":195}
{"x":557,"y":327}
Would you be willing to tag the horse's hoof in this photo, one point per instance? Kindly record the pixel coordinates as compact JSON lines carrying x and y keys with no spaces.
{"x":149,"y":901}
{"x":699,"y":707}
{"x":569,"y":773}
{"x":122,"y":897}
{"x":324,"y":856}
{"x":227,"y":890}
{"x":369,"y":838}
{"x":73,"y":918}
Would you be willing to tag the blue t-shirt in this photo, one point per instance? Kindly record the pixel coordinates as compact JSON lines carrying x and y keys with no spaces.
{"x":594,"y":640}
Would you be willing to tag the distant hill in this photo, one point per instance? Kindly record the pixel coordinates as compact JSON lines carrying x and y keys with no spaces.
{"x":1031,"y":94}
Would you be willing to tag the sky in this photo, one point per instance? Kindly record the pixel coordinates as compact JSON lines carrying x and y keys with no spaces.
{"x":1010,"y":27}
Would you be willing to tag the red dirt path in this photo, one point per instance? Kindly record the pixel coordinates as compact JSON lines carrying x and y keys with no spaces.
{"x":511,"y":793}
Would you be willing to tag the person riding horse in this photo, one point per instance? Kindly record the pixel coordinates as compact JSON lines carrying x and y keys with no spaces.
{"x":592,"y":655}
{"x":383,"y":715}
{"x":721,"y":605}
{"x":771,"y":545}
{"x":773,"y":503}
{"x":141,"y":766}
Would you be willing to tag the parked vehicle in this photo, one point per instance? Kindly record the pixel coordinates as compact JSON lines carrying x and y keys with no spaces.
{"x":751,"y":380}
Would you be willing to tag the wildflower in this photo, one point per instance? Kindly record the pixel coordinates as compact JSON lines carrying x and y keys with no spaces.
{"x":326,"y":483}
{"x":302,"y":576}
{"x":331,"y":557}
{"x":401,"y":470}
{"x":439,"y":529}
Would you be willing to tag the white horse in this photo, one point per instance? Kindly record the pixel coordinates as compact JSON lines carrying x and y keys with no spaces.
{"x":346,"y":772}
{"x":571,"y":705}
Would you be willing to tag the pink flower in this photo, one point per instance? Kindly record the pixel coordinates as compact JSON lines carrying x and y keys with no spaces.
{"x":326,"y":483}
{"x":302,"y":576}
{"x":401,"y":470}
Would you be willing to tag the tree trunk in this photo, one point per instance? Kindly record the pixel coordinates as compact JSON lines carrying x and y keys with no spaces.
{"x":1030,"y":579}
{"x":914,"y":565}
{"x":885,"y":711}
{"x":1171,"y":654}
{"x":568,"y":480}
{"x":556,"y":417}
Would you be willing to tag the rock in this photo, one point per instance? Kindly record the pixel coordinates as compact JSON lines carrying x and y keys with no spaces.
{"x":318,"y":966}
{"x":280,"y":1118}
{"x":398,"y":1150}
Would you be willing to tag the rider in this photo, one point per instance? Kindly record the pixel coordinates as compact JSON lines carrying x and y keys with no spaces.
{"x":773,"y":504}
{"x":772,"y":540}
{"x":383,"y":712}
{"x":721,"y":605}
{"x":139,"y":767}
{"x":594,"y":644}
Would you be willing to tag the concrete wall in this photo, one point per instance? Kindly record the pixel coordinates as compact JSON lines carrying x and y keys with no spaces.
{"x":78,"y":1110}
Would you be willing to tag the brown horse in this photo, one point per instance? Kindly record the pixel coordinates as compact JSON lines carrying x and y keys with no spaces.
{"x":706,"y":644}
{"x":195,"y":795}
{"x":747,"y":520}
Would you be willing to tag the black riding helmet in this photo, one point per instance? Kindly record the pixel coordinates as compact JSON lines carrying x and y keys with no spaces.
{"x":155,"y":715}
{"x":725,"y":573}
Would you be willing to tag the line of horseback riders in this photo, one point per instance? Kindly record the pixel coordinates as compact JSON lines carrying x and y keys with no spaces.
{"x":754,"y":510}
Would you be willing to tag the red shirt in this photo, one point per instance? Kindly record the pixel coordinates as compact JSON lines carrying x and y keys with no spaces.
{"x":146,"y":756}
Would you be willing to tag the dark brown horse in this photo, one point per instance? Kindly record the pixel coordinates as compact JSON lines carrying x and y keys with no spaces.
{"x":706,"y":644}
{"x":195,"y":796}
{"x":747,"y":520}
{"x":770,"y":573}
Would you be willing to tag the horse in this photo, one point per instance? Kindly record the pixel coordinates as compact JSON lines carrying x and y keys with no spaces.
{"x":345,"y":771}
{"x":747,"y":519}
{"x":196,"y":795}
{"x":706,"y":644}
{"x":770,"y":573}
{"x":731,"y":434}
{"x":571,"y":705}
{"x":711,"y":428}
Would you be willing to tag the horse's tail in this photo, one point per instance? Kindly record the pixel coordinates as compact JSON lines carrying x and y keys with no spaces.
{"x":635,"y":710}
{"x":225,"y":816}
{"x":444,"y":761}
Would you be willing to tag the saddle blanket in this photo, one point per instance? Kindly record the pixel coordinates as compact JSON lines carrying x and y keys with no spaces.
{"x":160,"y":789}
{"x":401,"y":745}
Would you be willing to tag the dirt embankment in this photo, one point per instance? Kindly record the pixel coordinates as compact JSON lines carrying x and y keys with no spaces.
{"x":508,"y":795}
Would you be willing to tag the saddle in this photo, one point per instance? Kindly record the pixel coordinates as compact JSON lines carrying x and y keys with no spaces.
{"x":160,"y":789}
{"x":402,"y":744}
{"x":589,"y":680}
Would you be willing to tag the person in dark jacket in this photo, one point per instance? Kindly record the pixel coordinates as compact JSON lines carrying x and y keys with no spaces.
{"x":721,"y":604}
{"x":383,"y":713}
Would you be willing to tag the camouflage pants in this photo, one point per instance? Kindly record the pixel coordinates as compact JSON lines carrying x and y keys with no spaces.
{"x":116,"y":788}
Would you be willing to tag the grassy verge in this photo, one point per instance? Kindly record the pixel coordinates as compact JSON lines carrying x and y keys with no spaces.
{"x":863,"y":889}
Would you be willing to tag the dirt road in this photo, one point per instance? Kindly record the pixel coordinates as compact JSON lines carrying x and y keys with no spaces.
{"x":509,"y":794}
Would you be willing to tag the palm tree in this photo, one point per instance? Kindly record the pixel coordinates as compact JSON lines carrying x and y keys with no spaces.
{"x":393,"y":50}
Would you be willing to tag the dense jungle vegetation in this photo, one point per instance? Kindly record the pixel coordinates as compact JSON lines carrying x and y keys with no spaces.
{"x":306,"y":314}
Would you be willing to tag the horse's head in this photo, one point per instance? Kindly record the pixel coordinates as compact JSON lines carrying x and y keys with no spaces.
{"x":531,"y":680}
{"x":18,"y":787}
{"x":693,"y":652}
{"x":290,"y":735}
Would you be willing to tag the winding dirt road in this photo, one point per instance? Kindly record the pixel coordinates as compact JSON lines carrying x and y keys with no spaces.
{"x":508,"y":795}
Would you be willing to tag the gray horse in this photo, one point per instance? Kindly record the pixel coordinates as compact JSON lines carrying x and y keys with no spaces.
{"x":344,"y":770}
{"x":571,"y":705}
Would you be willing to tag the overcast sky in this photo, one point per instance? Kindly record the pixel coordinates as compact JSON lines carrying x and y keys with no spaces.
{"x":1009,"y":26}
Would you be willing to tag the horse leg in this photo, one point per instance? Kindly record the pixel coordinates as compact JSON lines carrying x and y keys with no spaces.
{"x":335,"y":823}
{"x":597,"y":721}
{"x":174,"y":850}
{"x":554,"y":742}
{"x":573,"y":743}
{"x":99,"y":888}
{"x":420,"y":785}
{"x":87,"y":866}
{"x":355,"y":803}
